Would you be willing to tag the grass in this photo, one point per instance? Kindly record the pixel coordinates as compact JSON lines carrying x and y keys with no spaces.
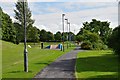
{"x":96,"y":64}
{"x":0,"y":60}
{"x":12,"y":59}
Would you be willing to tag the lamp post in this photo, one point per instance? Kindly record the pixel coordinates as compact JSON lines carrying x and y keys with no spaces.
{"x":67,"y":31}
{"x":25,"y":48}
{"x":63,"y":15}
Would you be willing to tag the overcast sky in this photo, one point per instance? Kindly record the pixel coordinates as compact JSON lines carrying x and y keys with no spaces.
{"x":47,"y":14}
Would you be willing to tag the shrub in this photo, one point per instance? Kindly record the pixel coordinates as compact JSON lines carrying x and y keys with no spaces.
{"x":86,"y":45}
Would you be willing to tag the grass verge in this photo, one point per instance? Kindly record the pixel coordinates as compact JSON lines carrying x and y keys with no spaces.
{"x":12,"y":60}
{"x":96,"y":64}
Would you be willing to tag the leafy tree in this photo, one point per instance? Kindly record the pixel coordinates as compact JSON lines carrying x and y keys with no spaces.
{"x":19,"y":17}
{"x":50,"y":36}
{"x":92,"y":37}
{"x":99,"y":27}
{"x":46,"y":36}
{"x":114,"y":40}
{"x":19,"y":13}
{"x":18,"y":29}
{"x":8,"y":30}
{"x":79,"y":38}
{"x":90,"y":40}
{"x":80,"y":32}
{"x":33,"y":34}
{"x":58,"y":36}
{"x":43,"y":35}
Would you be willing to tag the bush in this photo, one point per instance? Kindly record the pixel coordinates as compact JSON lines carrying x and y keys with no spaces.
{"x":99,"y":46}
{"x":105,"y":47}
{"x":86,"y":45}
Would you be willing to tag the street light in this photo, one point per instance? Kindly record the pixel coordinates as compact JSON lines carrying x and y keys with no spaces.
{"x":68,"y":33}
{"x":63,"y":15}
{"x":25,"y":48}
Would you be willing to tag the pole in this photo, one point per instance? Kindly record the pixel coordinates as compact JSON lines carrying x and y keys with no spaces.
{"x":67,"y":31}
{"x":63,"y":30}
{"x":25,"y":48}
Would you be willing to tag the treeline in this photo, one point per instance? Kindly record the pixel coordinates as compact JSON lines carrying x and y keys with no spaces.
{"x":7,"y":28}
{"x":57,"y":37}
{"x":14,"y":32}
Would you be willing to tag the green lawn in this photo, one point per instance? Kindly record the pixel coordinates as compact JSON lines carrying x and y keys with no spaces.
{"x":12,"y":60}
{"x":0,"y":60}
{"x":96,"y":64}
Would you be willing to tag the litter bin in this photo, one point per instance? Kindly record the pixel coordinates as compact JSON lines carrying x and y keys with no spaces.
{"x":60,"y":46}
{"x":42,"y":45}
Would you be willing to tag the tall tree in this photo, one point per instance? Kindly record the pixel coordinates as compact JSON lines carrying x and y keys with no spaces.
{"x":33,"y":34}
{"x":58,"y":36}
{"x":114,"y":40}
{"x":19,"y":16}
{"x":18,"y":29}
{"x":43,"y":35}
{"x":100,"y":27}
{"x":50,"y":36}
{"x":8,"y":30}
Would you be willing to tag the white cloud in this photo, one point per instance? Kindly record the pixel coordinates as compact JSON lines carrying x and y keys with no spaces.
{"x":53,"y":21}
{"x":92,"y":0}
{"x":62,"y":0}
{"x":49,"y":9}
{"x":29,"y":0}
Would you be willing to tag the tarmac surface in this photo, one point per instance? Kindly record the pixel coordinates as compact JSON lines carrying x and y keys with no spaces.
{"x":63,"y":67}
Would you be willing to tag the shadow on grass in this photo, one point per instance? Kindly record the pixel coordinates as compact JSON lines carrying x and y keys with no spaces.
{"x":44,"y":63}
{"x":19,"y":72}
{"x":105,"y":63}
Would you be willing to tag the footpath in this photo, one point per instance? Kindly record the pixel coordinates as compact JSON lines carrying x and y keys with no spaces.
{"x":63,"y":67}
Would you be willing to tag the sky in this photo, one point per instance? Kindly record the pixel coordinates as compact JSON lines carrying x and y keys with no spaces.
{"x":48,"y":13}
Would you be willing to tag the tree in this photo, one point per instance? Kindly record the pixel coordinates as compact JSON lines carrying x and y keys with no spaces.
{"x":18,"y":29}
{"x":33,"y":34}
{"x":79,"y":38}
{"x":58,"y":36}
{"x":90,"y":40}
{"x":8,"y":30}
{"x":114,"y":40}
{"x":99,"y":27}
{"x":92,"y":37}
{"x":50,"y":36}
{"x":19,"y":17}
{"x":43,"y":35}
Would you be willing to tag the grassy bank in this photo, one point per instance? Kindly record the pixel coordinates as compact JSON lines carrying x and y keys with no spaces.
{"x":96,"y":64}
{"x":12,"y":60}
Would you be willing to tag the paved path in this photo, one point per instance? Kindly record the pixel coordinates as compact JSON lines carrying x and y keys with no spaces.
{"x":63,"y":67}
